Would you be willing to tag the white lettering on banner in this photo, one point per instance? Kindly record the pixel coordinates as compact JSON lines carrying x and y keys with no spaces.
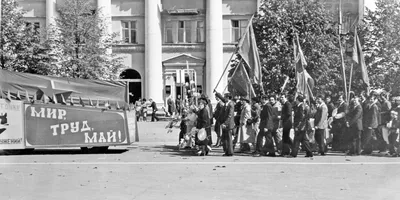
{"x":73,"y":125}
{"x":52,"y":113}
{"x":111,"y":137}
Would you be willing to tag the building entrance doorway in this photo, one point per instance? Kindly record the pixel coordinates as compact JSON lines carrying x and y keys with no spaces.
{"x":134,"y":81}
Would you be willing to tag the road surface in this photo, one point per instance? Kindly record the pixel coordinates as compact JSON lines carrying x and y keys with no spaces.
{"x":154,"y":169}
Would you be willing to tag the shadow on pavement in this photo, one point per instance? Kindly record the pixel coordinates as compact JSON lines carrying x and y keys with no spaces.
{"x":58,"y":152}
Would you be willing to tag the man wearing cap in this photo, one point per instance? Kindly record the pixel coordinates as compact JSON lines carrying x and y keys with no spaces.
{"x":228,"y":124}
{"x":266,"y":126}
{"x":354,"y":124}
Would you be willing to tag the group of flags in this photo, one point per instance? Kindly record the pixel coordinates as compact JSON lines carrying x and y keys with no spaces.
{"x":244,"y":76}
{"x":46,"y":99}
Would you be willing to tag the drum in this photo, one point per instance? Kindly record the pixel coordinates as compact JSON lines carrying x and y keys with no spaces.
{"x":202,"y":135}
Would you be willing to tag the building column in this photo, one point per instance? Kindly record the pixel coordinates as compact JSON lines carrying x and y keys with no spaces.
{"x":153,"y":51}
{"x":214,"y":47}
{"x":104,"y":6}
{"x":51,"y":12}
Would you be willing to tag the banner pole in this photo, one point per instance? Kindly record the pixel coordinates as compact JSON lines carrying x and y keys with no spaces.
{"x":226,"y":67}
{"x":351,"y":75}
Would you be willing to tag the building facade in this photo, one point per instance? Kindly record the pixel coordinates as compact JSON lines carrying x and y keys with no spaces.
{"x":166,"y":43}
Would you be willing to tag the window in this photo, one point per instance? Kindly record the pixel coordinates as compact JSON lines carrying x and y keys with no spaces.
{"x":238,"y":29}
{"x":200,"y":31}
{"x":184,"y":32}
{"x":168,"y":32}
{"x":129,"y":32}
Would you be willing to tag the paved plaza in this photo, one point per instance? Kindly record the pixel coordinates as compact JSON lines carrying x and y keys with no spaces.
{"x":153,"y":168}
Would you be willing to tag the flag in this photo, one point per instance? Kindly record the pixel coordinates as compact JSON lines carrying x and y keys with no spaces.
{"x":8,"y":96}
{"x":358,"y":58}
{"x":305,"y":83}
{"x":239,"y":82}
{"x":247,"y":48}
{"x":71,"y":101}
{"x":63,"y":102}
{"x":34,"y":97}
{"x":81,"y":102}
{"x":97,"y":104}
{"x":27,"y":96}
{"x":55,"y":99}
{"x":18,"y":95}
{"x":90,"y":102}
{"x":45,"y":99}
{"x":117,"y":106}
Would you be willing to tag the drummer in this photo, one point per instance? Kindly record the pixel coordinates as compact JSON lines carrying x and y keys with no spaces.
{"x":203,"y":124}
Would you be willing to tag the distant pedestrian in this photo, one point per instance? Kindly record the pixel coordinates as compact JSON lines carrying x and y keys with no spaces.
{"x":154,"y":109}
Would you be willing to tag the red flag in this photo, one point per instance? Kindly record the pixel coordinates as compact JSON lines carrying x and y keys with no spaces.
{"x":63,"y":102}
{"x":27,"y":96}
{"x":18,"y":95}
{"x":247,"y":48}
{"x":358,"y":58}
{"x":240,"y":83}
{"x":305,"y":83}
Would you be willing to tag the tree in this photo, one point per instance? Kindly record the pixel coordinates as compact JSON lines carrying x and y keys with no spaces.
{"x":380,"y":35}
{"x":275,"y":26}
{"x":21,"y":48}
{"x":80,"y":43}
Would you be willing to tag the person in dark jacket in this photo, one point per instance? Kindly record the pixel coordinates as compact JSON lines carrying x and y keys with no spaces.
{"x":370,"y":122}
{"x":339,"y":126}
{"x":330,"y":105}
{"x":355,"y":126}
{"x":228,"y":124}
{"x":203,"y":122}
{"x":301,"y":126}
{"x":153,"y":106}
{"x":266,"y":126}
{"x":209,"y":109}
{"x":394,"y":130}
{"x":287,"y":123}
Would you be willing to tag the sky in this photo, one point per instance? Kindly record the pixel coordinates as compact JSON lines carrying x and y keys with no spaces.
{"x":370,"y":4}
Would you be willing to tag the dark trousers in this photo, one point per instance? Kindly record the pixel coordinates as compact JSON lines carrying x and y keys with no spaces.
{"x":227,"y":141}
{"x":153,"y":116}
{"x":269,"y":144}
{"x":392,"y":142}
{"x":217,"y":129}
{"x":286,"y":141}
{"x":320,"y":139}
{"x":368,"y":141}
{"x":355,"y":146}
{"x":300,"y":137}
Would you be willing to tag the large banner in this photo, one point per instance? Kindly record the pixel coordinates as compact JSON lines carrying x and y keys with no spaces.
{"x":11,"y":124}
{"x":56,"y":125}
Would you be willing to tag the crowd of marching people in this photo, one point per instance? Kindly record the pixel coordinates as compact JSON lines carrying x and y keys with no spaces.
{"x":282,"y":125}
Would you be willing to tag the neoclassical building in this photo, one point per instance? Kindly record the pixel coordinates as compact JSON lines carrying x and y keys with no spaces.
{"x":160,"y":38}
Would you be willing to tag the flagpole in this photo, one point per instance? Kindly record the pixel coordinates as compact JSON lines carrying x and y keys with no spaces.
{"x":351,"y":75}
{"x":341,"y":52}
{"x":226,"y":67}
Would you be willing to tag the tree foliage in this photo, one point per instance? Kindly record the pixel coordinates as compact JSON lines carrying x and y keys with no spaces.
{"x":275,"y":27}
{"x":380,"y":34}
{"x":81,"y":44}
{"x":21,"y":49}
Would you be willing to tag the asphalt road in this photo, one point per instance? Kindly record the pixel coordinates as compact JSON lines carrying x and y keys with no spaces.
{"x":154,"y":169}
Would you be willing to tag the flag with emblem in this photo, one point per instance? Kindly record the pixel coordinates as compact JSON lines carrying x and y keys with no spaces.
{"x":305,"y":83}
{"x":239,"y":82}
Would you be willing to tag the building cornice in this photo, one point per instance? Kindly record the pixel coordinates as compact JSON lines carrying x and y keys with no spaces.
{"x":170,"y":48}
